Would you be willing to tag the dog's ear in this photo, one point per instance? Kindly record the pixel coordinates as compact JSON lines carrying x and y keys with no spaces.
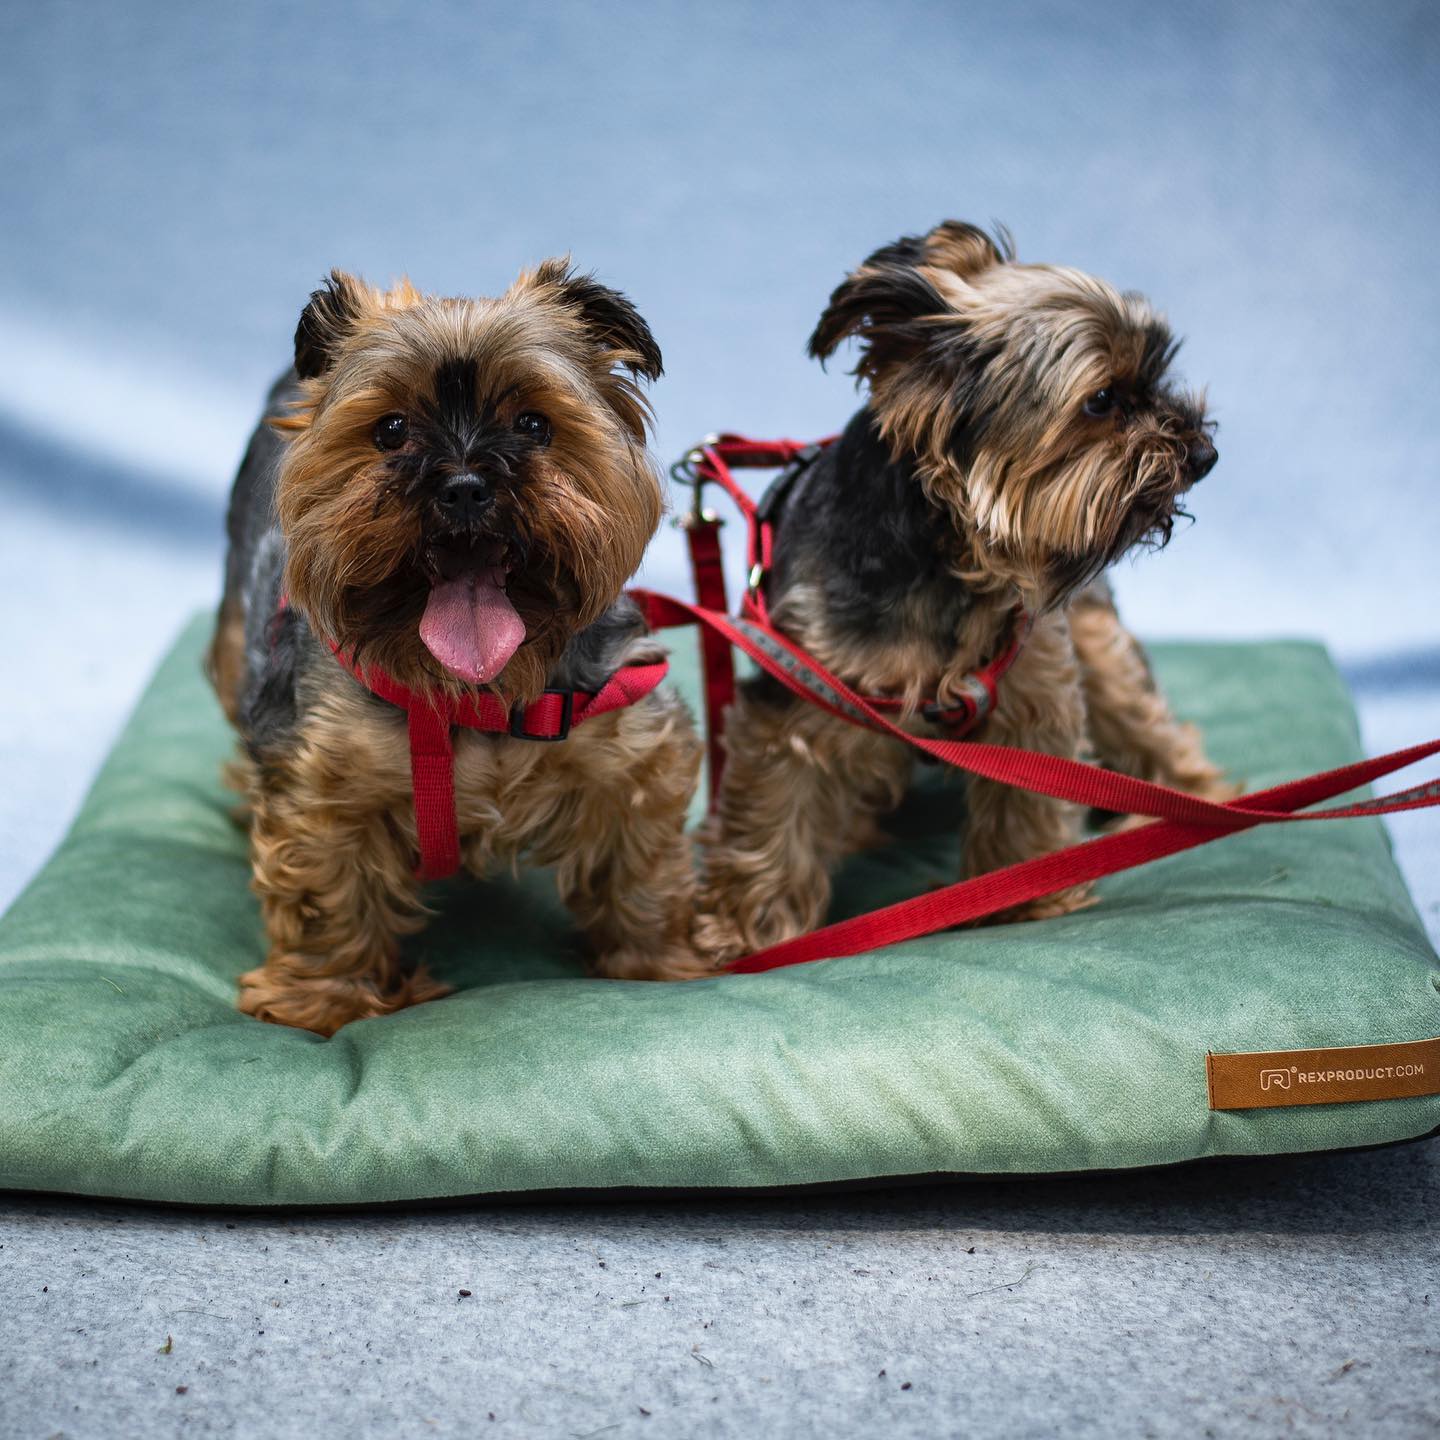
{"x":966,"y":250}
{"x":892,"y":306}
{"x":330,"y":316}
{"x":884,"y":304}
{"x":609,"y":317}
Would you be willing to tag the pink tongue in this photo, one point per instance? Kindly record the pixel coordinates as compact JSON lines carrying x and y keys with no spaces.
{"x":471,"y":627}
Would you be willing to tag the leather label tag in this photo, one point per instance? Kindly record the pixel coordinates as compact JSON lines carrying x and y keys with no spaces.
{"x":1262,"y":1079}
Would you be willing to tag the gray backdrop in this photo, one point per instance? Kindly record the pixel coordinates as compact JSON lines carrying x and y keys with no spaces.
{"x":177,"y":178}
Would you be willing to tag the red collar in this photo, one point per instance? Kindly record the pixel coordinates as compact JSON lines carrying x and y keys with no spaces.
{"x":548,"y":718}
{"x":432,"y":716}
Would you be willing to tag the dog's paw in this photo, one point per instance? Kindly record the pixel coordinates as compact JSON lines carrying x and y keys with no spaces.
{"x":670,"y":962}
{"x":323,"y":1003}
{"x":728,"y":925}
{"x":718,"y":938}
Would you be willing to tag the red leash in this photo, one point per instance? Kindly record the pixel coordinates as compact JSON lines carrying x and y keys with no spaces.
{"x":1183,"y":820}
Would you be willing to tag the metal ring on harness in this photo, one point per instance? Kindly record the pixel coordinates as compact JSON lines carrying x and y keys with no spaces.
{"x":686,"y":471}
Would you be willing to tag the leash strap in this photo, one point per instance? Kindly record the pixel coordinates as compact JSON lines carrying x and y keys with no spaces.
{"x":968,"y":900}
{"x":1184,"y":820}
{"x":702,"y":534}
{"x":1054,"y":775}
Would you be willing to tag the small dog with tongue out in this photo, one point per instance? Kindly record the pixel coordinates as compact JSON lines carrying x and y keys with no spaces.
{"x":429,"y":538}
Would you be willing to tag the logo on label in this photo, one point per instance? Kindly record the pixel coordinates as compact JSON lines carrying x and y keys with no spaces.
{"x":1330,"y":1075}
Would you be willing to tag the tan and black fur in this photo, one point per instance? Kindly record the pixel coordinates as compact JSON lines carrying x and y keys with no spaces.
{"x":1021,"y":433}
{"x":533,"y":397}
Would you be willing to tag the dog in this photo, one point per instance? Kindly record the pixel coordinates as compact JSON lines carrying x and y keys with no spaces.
{"x":1021,"y":433}
{"x":453,"y":492}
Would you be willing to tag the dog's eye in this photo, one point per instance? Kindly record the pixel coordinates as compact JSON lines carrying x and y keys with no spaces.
{"x":1102,"y":402}
{"x":533,"y":426}
{"x":390,"y":431}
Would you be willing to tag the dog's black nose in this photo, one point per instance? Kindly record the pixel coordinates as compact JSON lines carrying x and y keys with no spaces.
{"x":464,"y":498}
{"x":1201,"y":457}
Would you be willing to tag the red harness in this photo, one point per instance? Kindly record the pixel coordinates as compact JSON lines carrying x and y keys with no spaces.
{"x":432,"y":717}
{"x":1182,"y":821}
{"x":977,"y":694}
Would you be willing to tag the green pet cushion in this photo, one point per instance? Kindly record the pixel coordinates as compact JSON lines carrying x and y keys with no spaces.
{"x":1067,"y":1045}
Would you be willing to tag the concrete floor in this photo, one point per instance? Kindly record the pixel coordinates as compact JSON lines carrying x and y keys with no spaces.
{"x":1277,"y":1298}
{"x":177,"y":179}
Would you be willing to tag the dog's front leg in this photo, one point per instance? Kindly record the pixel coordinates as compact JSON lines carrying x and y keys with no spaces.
{"x":618,"y":800}
{"x":1129,"y":720}
{"x":337,"y":891}
{"x":801,"y":791}
{"x":1041,"y":708}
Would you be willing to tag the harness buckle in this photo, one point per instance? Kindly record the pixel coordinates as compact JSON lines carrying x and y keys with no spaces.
{"x":567,"y":713}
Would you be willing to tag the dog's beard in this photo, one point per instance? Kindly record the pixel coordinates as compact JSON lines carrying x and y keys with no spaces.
{"x":1053,"y":533}
{"x":1148,"y":524}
